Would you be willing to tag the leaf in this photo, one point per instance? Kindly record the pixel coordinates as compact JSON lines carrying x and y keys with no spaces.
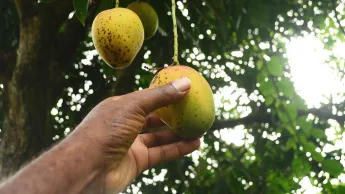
{"x":303,"y":139}
{"x":310,"y":147}
{"x":291,"y":110}
{"x":317,"y":156}
{"x":81,"y":8}
{"x":305,"y":125}
{"x":105,"y":4}
{"x":291,"y":143}
{"x":290,"y":129}
{"x":267,"y":88}
{"x":274,"y":66}
{"x":286,"y":87}
{"x":46,"y":1}
{"x":282,"y":116}
{"x":333,"y":167}
{"x":259,"y":64}
{"x":277,"y":104}
{"x":269,"y":100}
{"x":318,"y":133}
{"x":300,"y":166}
{"x":300,"y":103}
{"x":261,"y":76}
{"x":340,"y":189}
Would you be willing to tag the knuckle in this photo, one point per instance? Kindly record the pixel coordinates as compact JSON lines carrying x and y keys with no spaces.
{"x":156,"y":139}
{"x":168,"y":92}
{"x":163,"y":154}
{"x":134,"y":104}
{"x":178,"y":150}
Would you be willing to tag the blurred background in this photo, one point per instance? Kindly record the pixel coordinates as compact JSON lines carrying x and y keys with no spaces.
{"x":276,"y":68}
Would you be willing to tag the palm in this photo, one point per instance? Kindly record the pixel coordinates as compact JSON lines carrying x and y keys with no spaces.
{"x":147,"y":151}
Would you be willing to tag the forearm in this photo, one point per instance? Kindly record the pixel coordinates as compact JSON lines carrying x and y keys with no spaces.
{"x":67,"y":168}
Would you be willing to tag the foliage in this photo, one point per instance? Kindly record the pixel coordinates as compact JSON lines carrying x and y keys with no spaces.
{"x":239,"y":47}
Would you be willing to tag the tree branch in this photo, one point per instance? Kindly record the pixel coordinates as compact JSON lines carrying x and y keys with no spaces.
{"x":258,"y":117}
{"x":325,"y":112}
{"x":125,"y":79}
{"x":336,"y":16}
{"x":26,"y":8}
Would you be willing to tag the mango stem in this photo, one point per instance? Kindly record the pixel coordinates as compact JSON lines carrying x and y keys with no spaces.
{"x":117,"y":3}
{"x":173,"y":9}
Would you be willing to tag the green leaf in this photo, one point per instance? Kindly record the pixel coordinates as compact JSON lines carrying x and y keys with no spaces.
{"x":269,"y":100}
{"x":81,"y":8}
{"x":274,"y":66}
{"x":318,"y":133}
{"x":300,"y":103}
{"x":306,"y":126}
{"x":47,"y":1}
{"x":292,"y":110}
{"x":333,"y":167}
{"x":317,"y":156}
{"x":282,"y":116}
{"x":301,"y":166}
{"x":259,"y":64}
{"x":277,"y":104}
{"x":261,"y":76}
{"x":303,"y":140}
{"x":286,"y":87}
{"x":291,"y":143}
{"x":290,"y":129}
{"x":310,"y":147}
{"x":267,"y":88}
{"x":105,"y":4}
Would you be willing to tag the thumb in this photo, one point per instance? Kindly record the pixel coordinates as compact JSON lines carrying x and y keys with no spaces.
{"x":154,"y":98}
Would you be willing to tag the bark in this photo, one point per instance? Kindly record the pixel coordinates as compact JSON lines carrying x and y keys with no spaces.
{"x":25,"y":134}
{"x":29,"y":94}
{"x":7,"y":61}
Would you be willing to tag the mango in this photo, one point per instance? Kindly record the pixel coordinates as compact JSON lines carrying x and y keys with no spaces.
{"x":192,"y":116}
{"x":118,"y":35}
{"x":147,"y":15}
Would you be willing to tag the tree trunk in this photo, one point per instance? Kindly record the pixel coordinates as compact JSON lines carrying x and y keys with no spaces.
{"x":27,"y":126}
{"x":30,"y":93}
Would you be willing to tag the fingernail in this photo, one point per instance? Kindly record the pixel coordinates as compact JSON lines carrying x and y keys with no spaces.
{"x":182,"y":84}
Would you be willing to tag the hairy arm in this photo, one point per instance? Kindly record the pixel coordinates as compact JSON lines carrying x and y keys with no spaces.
{"x":107,"y":152}
{"x":67,"y":168}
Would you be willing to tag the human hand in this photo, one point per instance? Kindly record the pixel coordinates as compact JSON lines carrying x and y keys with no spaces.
{"x":115,"y":125}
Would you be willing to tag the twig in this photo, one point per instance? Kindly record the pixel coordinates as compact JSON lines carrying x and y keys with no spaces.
{"x":175,"y":58}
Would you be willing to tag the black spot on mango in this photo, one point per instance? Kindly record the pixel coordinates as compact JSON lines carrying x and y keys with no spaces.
{"x":115,"y":23}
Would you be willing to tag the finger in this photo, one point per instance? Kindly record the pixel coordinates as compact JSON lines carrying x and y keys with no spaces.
{"x":159,"y":138}
{"x":153,"y":121}
{"x":153,"y":98}
{"x":172,"y":151}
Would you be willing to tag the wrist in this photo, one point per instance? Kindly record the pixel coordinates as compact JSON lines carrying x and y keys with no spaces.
{"x":88,"y":145}
{"x":86,"y":152}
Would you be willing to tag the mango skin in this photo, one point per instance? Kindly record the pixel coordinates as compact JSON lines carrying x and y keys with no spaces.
{"x":147,"y":15}
{"x":118,"y":35}
{"x":192,"y":116}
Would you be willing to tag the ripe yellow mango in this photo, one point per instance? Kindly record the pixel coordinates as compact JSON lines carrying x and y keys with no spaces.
{"x":118,"y":35}
{"x":147,"y":15}
{"x":192,"y":116}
